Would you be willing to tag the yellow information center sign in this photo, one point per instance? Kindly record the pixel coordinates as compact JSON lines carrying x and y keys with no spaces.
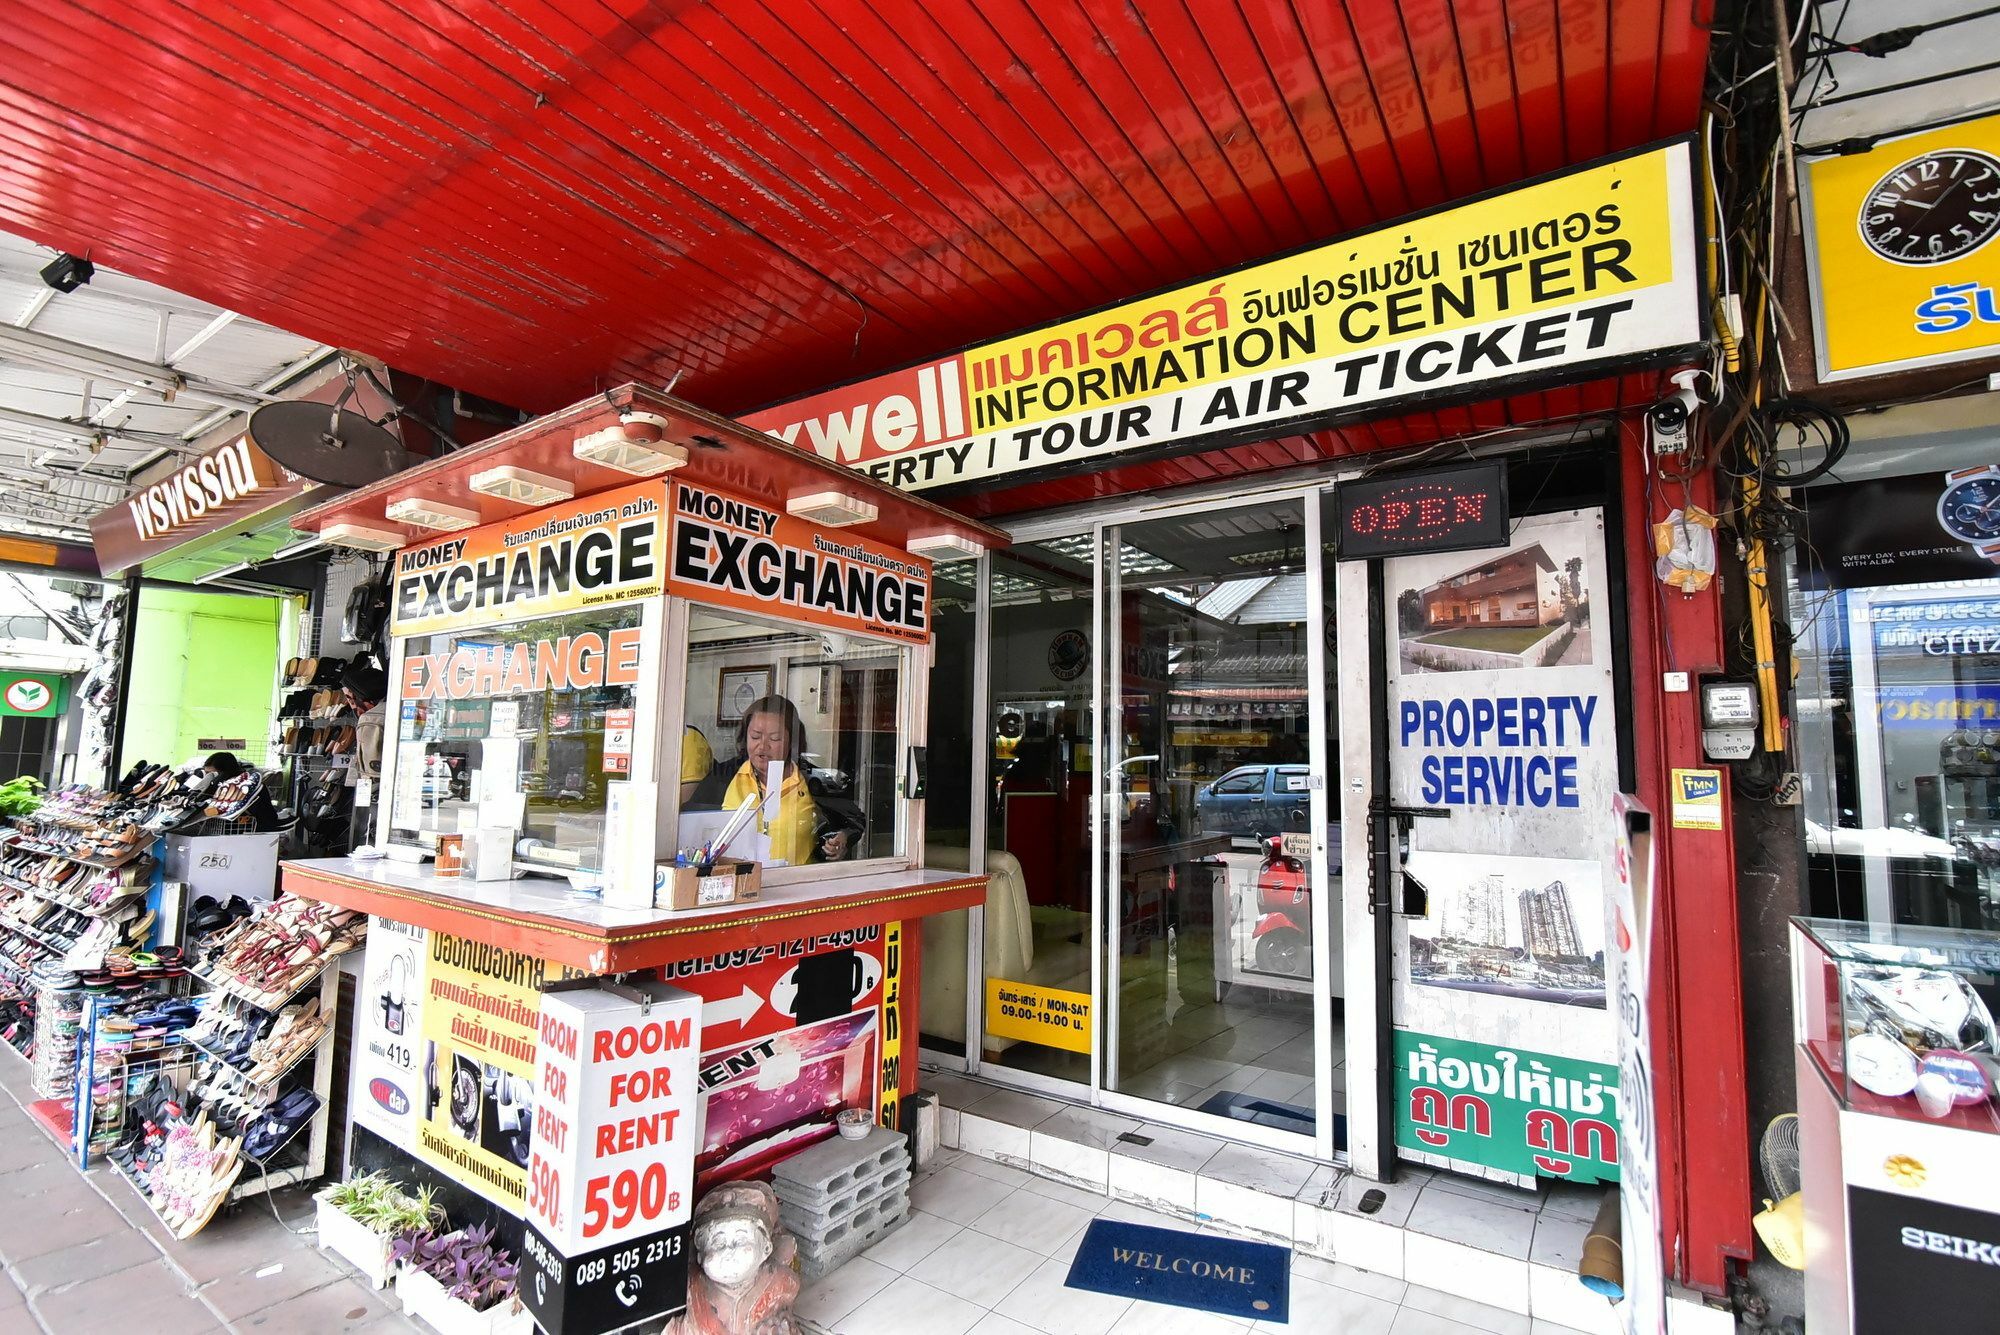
{"x":1030,"y":1013}
{"x":1904,"y":257}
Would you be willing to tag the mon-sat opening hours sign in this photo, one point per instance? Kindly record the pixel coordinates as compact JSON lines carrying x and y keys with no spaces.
{"x":1568,"y":276}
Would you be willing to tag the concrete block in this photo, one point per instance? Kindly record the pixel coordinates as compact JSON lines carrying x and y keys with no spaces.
{"x":813,"y":1219}
{"x":830,"y":1167}
{"x":853,"y":1235}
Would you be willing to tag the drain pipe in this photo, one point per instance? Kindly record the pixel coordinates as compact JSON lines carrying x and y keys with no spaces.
{"x":1602,"y":1268}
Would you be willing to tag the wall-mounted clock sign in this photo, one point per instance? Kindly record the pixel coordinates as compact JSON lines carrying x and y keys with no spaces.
{"x":1933,"y":208}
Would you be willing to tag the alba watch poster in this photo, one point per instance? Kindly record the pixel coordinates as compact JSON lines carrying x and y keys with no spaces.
{"x":1902,"y":530}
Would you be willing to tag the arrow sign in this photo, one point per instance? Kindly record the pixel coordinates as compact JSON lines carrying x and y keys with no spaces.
{"x":736,"y":1010}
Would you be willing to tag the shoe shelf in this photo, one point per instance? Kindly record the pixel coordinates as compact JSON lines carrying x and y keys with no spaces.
{"x":307,"y":1143}
{"x":265,"y":1001}
{"x":218,"y":1062}
{"x":71,"y":855}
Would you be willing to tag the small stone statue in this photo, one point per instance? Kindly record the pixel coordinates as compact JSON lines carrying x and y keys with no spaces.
{"x":742,"y":1281}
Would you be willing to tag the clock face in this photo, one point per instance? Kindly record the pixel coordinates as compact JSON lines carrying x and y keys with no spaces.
{"x":1934,"y":208}
{"x":1970,"y":510}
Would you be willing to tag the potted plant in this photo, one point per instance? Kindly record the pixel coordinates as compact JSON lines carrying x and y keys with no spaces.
{"x":360,"y":1219}
{"x":459,"y":1283}
{"x":19,"y":797}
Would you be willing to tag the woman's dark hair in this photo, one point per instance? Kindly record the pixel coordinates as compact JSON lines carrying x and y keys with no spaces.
{"x":788,"y":715}
{"x":225,"y":765}
{"x":369,"y":683}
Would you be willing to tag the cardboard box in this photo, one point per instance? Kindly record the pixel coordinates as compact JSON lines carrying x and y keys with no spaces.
{"x":728,"y":882}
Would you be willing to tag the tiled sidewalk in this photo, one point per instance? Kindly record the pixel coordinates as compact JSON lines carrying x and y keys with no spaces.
{"x":988,"y":1245}
{"x":985,"y":1251}
{"x":84,"y":1256}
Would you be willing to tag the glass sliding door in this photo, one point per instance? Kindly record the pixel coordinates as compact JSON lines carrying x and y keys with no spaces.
{"x":1040,"y":846}
{"x":1211,"y":895}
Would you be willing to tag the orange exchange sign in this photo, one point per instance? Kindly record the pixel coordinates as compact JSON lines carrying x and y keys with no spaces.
{"x":736,"y":553}
{"x":589,"y":552}
{"x":565,"y":663}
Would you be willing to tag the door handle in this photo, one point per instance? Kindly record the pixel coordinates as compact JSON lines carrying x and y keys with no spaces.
{"x":1258,"y":800}
{"x":1388,"y":848}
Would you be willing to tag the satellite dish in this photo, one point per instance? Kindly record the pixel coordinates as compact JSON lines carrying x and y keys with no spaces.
{"x":327,"y":444}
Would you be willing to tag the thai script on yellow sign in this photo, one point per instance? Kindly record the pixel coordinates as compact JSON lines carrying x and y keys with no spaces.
{"x":1029,"y":1013}
{"x":1590,"y":269}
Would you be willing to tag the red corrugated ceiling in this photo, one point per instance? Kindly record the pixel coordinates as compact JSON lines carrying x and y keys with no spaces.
{"x":773,"y":195}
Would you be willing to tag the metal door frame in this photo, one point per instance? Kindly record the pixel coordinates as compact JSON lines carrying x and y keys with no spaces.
{"x":1103,"y":527}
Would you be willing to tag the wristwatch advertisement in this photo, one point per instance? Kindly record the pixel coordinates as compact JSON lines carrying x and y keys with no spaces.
{"x":1969,"y":509}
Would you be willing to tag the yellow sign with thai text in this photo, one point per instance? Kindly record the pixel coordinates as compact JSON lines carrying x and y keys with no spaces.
{"x":1905,"y":265}
{"x":1030,"y":1013}
{"x":1555,"y":279}
{"x":481,"y":1007}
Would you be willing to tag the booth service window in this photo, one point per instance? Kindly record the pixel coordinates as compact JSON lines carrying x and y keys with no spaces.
{"x":792,"y":742}
{"x":525,"y":726}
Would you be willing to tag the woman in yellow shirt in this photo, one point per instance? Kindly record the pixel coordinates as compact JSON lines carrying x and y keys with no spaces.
{"x":812,"y":824}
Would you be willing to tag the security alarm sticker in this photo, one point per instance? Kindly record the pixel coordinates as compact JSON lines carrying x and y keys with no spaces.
{"x":611,"y":1161}
{"x":602,"y":549}
{"x":738,"y":554}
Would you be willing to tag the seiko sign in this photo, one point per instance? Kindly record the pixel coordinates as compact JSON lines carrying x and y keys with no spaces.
{"x":207,"y":484}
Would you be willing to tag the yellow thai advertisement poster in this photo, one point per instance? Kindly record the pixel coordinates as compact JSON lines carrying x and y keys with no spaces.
{"x":1900,"y":239}
{"x":480,"y":1009}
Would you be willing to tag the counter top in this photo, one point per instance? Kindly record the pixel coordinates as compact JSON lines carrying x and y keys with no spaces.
{"x":545,"y":918}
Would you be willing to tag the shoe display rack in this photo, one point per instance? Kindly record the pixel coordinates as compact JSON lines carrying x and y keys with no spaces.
{"x":314,"y":729}
{"x":128,"y":1040}
{"x":264,"y":1066}
{"x":77,"y":878}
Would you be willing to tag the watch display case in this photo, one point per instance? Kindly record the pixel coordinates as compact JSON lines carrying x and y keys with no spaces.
{"x":1899,"y":1019}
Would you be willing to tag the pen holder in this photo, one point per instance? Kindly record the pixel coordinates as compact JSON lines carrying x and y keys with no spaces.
{"x":726,"y":881}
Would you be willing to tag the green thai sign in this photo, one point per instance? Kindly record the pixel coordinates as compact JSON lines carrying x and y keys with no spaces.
{"x":1507,"y":1108}
{"x":33,"y":694}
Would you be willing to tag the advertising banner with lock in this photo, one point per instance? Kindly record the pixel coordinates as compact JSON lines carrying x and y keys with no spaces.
{"x":611,"y":1159}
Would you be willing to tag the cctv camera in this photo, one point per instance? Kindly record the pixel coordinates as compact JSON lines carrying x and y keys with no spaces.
{"x":1669,"y":421}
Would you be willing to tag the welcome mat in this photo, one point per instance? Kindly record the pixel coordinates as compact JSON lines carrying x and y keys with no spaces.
{"x":1184,"y":1269}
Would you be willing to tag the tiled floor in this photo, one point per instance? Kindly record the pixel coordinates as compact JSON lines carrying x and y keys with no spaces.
{"x":987,"y":1248}
{"x":84,"y":1256}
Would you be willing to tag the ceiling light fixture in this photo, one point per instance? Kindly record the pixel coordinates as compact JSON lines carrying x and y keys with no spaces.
{"x":220,"y":572}
{"x":361,"y":538}
{"x":943,"y":547}
{"x":636,"y":446}
{"x":431,"y":514}
{"x":298,"y":549}
{"x":835,"y":509}
{"x":520,"y":485}
{"x":67,"y":273}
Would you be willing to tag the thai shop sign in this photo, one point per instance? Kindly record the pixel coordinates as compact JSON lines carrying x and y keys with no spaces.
{"x":1563,"y":277}
{"x":221,"y":489}
{"x":1508,"y":1108}
{"x":599,"y":550}
{"x":1900,"y":246}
